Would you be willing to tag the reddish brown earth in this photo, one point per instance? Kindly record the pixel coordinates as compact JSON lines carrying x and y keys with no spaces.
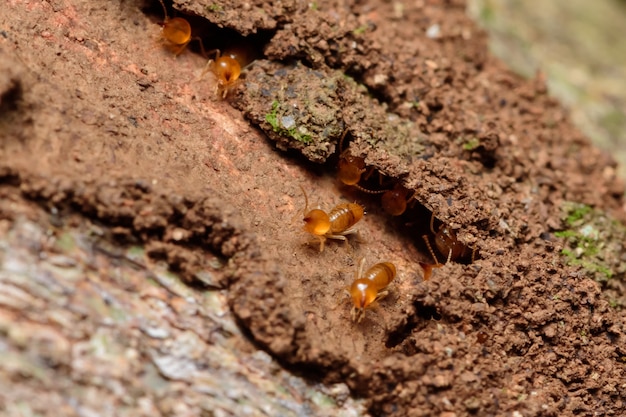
{"x":97,"y":118}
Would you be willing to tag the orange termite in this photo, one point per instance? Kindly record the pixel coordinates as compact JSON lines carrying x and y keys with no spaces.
{"x":395,"y":201}
{"x":227,"y":67}
{"x":176,"y":31}
{"x":226,"y":70}
{"x":445,"y":241}
{"x":334,"y":225}
{"x":369,"y":287}
{"x":350,"y":168}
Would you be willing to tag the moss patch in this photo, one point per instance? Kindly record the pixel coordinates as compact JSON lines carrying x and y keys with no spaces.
{"x":593,"y":241}
{"x":279,"y":125}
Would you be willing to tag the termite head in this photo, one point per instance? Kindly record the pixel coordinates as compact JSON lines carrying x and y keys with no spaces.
{"x":177,"y":31}
{"x":227,"y":70}
{"x":350,"y":169}
{"x":394,"y":201}
{"x":363,"y":294}
{"x":316,"y":222}
{"x":445,"y":237}
{"x":447,"y":241}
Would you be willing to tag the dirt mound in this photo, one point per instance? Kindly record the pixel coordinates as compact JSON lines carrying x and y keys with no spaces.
{"x":95,"y":121}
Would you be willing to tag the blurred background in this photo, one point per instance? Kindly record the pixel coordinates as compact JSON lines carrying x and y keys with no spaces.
{"x":580,"y":45}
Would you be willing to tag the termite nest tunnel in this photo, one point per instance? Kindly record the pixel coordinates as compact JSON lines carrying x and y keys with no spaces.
{"x":227,"y":51}
{"x":431,"y":236}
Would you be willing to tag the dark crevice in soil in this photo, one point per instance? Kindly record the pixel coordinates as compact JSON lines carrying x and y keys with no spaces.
{"x":10,"y":97}
{"x":9,"y":178}
{"x":420,"y":315}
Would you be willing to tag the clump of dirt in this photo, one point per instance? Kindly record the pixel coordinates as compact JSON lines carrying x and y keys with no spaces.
{"x":140,"y":143}
{"x":311,"y":124}
{"x":500,"y":178}
{"x":176,"y":228}
{"x":244,"y":17}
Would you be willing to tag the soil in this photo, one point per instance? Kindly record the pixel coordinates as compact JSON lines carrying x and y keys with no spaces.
{"x":99,"y":119}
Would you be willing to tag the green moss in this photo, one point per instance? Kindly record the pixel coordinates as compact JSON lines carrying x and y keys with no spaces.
{"x":487,"y":14}
{"x":295,"y":132}
{"x":136,"y":254}
{"x":272,"y":118}
{"x":215,"y":7}
{"x":576,"y":212}
{"x":322,"y":400}
{"x":471,"y":144}
{"x":614,"y":121}
{"x":299,"y":136}
{"x":592,"y":241}
{"x":360,"y":30}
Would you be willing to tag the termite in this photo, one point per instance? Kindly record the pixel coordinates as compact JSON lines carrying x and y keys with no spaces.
{"x":369,"y":287}
{"x":349,"y":171}
{"x":176,"y":31}
{"x":445,"y":241}
{"x":395,"y":201}
{"x":242,"y":52}
{"x":336,"y":224}
{"x":226,"y":70}
{"x":227,"y":67}
{"x":349,"y":168}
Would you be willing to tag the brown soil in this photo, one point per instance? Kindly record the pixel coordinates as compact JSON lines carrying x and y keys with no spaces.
{"x":97,"y":118}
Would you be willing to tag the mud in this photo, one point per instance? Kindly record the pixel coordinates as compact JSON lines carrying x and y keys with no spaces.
{"x":103,"y":121}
